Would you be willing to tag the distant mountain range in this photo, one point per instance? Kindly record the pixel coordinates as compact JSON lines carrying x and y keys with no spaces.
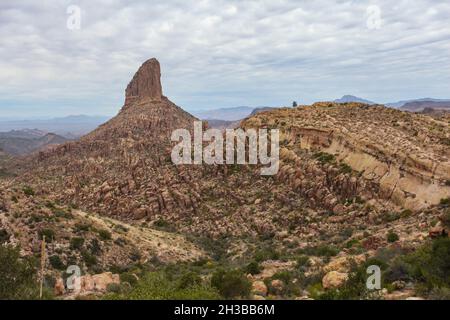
{"x":221,"y":115}
{"x":69,"y":127}
{"x":21,"y":142}
{"x":400,"y":104}
{"x":227,"y":114}
{"x":414,"y":105}
{"x":227,"y":117}
{"x":349,"y":98}
{"x":418,"y":106}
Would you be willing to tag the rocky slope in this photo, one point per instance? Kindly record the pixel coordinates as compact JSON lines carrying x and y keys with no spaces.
{"x":349,"y":174}
{"x":398,"y":156}
{"x":335,"y":158}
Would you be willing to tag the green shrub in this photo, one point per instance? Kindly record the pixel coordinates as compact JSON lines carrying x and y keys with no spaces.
{"x":445,"y":202}
{"x":391,"y":217}
{"x":398,"y":270}
{"x":162,"y":224}
{"x":28,"y":191}
{"x":392,"y":236}
{"x":428,"y":267}
{"x":319,"y":251}
{"x":345,"y":168}
{"x":76,"y":243}
{"x":113,"y":287}
{"x":189,"y":280}
{"x":431,"y":264}
{"x":104,"y":234}
{"x":4,"y":236}
{"x":135,"y":255}
{"x":446,"y":218}
{"x":89,"y":259}
{"x":324,"y":157}
{"x":94,"y":247}
{"x":266,"y":254}
{"x":17,"y":275}
{"x":406,"y":213}
{"x":62,"y":214}
{"x":157,"y":286}
{"x":120,"y":228}
{"x":252,"y":268}
{"x":48,"y":233}
{"x":439,"y":294}
{"x":231,"y":283}
{"x":351,"y":243}
{"x":56,"y":262}
{"x":128,"y":277}
{"x":302,"y":261}
{"x":82,"y":227}
{"x":50,"y":205}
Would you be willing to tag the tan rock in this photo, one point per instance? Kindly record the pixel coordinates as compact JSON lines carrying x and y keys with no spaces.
{"x":277,"y":285}
{"x":334,"y":279}
{"x":59,"y":289}
{"x":87,"y":283}
{"x":101,"y":281}
{"x":259,"y":288}
{"x":343,"y":264}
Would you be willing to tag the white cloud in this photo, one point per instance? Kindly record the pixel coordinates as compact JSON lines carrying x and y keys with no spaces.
{"x":217,"y":53}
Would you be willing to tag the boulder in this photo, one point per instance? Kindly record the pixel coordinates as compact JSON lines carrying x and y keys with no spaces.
{"x":438,"y":231}
{"x":59,"y":288}
{"x":334,"y":279}
{"x":277,"y":286}
{"x":101,"y":281}
{"x":343,"y":264}
{"x":259,"y":288}
{"x":87,"y":283}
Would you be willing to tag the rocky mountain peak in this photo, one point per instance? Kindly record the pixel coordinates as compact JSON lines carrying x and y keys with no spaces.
{"x":146,"y":83}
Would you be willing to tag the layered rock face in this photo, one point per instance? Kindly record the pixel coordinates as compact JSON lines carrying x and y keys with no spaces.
{"x":146,"y":83}
{"x":399,"y":157}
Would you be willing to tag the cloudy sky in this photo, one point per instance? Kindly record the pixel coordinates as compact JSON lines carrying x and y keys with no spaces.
{"x":217,"y":53}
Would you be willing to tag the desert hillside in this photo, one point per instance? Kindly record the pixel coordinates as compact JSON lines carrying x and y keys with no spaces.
{"x":355,"y":181}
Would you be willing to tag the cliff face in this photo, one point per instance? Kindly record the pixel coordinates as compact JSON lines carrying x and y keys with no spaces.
{"x":146,"y":83}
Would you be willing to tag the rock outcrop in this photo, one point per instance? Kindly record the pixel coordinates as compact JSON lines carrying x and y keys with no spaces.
{"x":334,"y":279}
{"x":146,"y":83}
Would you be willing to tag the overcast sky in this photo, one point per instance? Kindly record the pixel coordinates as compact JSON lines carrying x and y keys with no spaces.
{"x":217,"y":53}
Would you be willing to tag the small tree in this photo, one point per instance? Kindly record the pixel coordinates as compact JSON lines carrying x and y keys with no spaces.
{"x":230,"y":284}
{"x":294,"y":104}
{"x":17,"y":276}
